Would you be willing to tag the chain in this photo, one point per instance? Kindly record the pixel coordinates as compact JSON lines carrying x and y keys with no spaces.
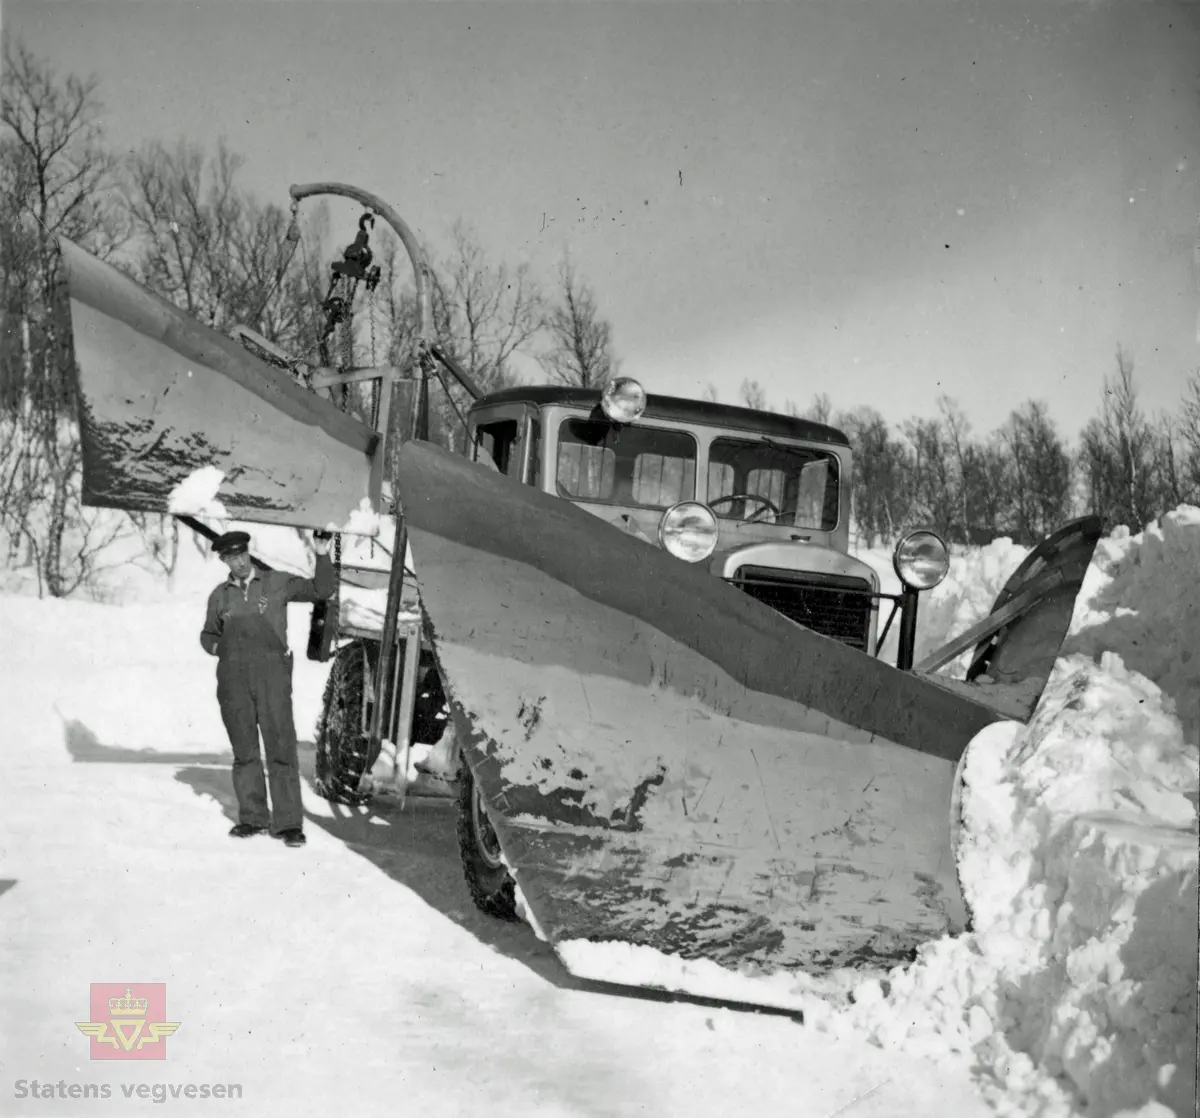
{"x":336,"y":603}
{"x":376,"y":385}
{"x":347,"y":348}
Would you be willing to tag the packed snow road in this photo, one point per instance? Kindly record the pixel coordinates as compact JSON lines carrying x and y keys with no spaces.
{"x":355,"y":975}
{"x":352,"y":975}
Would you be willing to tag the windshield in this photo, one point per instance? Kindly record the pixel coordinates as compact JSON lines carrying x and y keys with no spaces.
{"x":633,"y":465}
{"x":800,"y":484}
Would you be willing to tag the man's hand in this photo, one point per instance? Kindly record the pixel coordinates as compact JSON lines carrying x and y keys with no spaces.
{"x":322,"y":541}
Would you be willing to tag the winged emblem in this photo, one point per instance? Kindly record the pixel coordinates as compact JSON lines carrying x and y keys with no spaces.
{"x":144,"y":1032}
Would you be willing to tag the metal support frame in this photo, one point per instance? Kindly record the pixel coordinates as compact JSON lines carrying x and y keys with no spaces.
{"x":887,"y":625}
{"x":326,"y":377}
{"x":424,"y":338}
{"x":405,"y":690}
{"x":240,"y":332}
{"x":395,"y":696}
{"x":908,"y":628}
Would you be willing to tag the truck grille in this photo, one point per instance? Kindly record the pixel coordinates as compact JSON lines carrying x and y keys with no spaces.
{"x":836,"y":606}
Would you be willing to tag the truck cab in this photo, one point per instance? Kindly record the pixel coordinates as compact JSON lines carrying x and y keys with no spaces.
{"x":763,"y":500}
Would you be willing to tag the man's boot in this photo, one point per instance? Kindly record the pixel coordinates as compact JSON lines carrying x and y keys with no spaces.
{"x":245,"y":830}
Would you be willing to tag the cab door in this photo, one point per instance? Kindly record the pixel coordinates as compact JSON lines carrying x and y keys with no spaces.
{"x":507,"y":438}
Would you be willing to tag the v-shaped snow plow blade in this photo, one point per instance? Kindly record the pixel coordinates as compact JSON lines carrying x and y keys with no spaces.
{"x":162,"y":395}
{"x":667,"y":762}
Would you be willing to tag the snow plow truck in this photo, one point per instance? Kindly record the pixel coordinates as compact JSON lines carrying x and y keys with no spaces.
{"x":630,"y":627}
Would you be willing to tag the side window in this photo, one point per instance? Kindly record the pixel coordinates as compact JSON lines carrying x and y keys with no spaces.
{"x":495,"y":445}
{"x":651,"y":467}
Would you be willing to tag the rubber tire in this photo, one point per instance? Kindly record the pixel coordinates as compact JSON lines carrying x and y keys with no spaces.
{"x":492,"y":888}
{"x":342,"y":754}
{"x":431,"y":711}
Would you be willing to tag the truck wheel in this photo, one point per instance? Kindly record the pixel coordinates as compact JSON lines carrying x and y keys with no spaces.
{"x":492,"y":889}
{"x":342,"y":754}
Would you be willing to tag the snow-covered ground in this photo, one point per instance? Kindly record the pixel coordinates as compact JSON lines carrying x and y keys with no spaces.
{"x":354,"y":975}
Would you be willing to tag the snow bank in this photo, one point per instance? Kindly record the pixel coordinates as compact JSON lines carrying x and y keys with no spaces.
{"x":1141,"y":599}
{"x":1078,"y":985}
{"x":1076,"y":991}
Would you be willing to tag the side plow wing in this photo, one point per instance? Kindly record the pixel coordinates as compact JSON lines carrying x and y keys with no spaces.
{"x":1017,"y":644}
{"x":162,"y":396}
{"x":668,"y":763}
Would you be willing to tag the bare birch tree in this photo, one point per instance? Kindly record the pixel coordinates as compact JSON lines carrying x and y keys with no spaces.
{"x":580,"y":352}
{"x":55,"y":176}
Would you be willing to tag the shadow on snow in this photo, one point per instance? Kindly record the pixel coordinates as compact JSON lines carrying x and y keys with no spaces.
{"x":83,"y":745}
{"x":416,"y":846}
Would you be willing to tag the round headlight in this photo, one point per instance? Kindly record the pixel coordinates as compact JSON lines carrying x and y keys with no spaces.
{"x":921,"y":560}
{"x":688,"y":531}
{"x":624,"y":400}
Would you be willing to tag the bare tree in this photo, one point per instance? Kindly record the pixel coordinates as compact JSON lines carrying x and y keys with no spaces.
{"x":1117,"y":455}
{"x":161,"y":539}
{"x":55,"y":177}
{"x":1039,"y":468}
{"x":580,"y":350}
{"x":485,"y":314}
{"x":1177,"y":450}
{"x":710,"y":393}
{"x":986,"y":484}
{"x":957,"y":433}
{"x":935,"y":494}
{"x":211,"y":248}
{"x":883,"y":476}
{"x":820,"y":410}
{"x":1189,"y":436}
{"x":753,"y":395}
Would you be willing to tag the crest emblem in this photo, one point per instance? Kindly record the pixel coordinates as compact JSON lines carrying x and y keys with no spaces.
{"x":128,"y":1022}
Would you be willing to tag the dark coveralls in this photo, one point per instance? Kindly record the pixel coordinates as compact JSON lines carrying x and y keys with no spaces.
{"x":246,"y":629}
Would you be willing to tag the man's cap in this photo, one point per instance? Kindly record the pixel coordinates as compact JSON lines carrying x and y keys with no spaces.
{"x":231,"y":543}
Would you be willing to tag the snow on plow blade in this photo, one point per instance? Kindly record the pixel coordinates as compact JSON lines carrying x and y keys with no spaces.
{"x":162,"y":396}
{"x":667,"y":762}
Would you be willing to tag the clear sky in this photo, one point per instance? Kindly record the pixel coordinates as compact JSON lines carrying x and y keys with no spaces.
{"x":880,"y":199}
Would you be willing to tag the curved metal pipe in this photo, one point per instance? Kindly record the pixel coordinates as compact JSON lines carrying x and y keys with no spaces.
{"x":385,"y":697}
{"x":412,"y":247}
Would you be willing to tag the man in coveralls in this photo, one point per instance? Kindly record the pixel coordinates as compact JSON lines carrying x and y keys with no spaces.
{"x":246,"y":630}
